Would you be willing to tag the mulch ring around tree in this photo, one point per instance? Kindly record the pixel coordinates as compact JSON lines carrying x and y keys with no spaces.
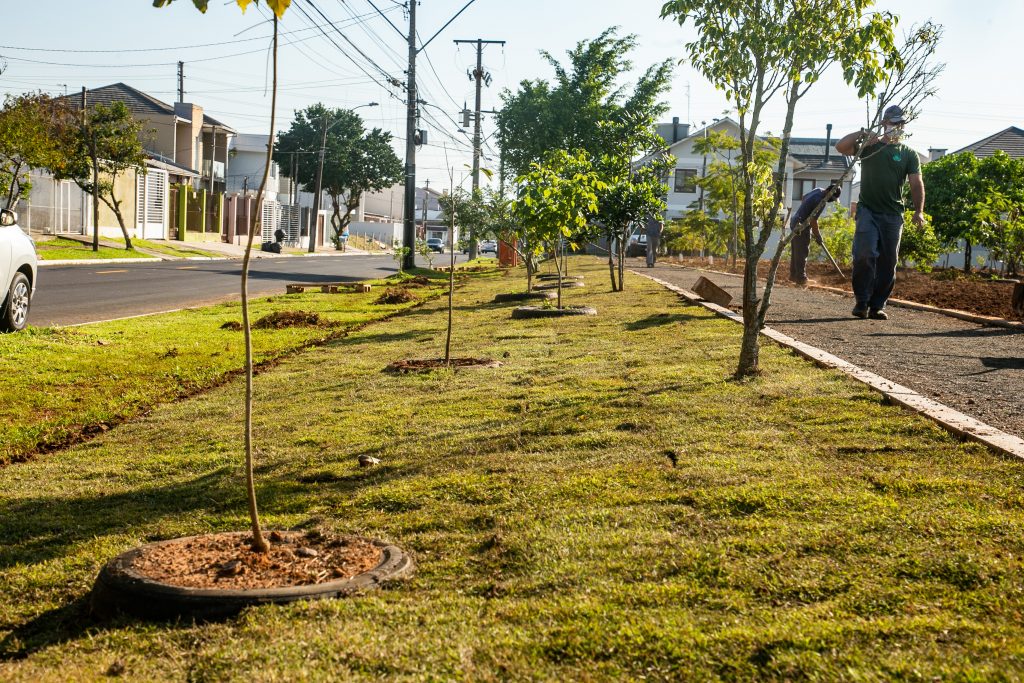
{"x":547,"y":286}
{"x":565,"y":278}
{"x":416,"y":281}
{"x":216,"y":575}
{"x":395,"y":295}
{"x":402,"y":367}
{"x":280,"y":320}
{"x":524,"y":296}
{"x":524,"y":312}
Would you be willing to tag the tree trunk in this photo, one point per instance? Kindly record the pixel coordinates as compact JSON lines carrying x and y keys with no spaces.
{"x":559,"y":269}
{"x":611,"y":262}
{"x":95,"y":201}
{"x":750,"y":349}
{"x":967,"y":256}
{"x":115,"y":206}
{"x":259,"y":544}
{"x":451,"y":292}
{"x":622,"y":263}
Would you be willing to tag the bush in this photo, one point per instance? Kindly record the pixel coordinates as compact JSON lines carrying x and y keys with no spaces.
{"x":919,"y":245}
{"x":836,"y":228}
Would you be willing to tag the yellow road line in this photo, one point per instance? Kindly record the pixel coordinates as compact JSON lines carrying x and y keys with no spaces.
{"x":109,"y":272}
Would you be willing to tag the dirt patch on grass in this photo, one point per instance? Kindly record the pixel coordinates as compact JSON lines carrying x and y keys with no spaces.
{"x":280,"y":320}
{"x":943,"y":287}
{"x":395,"y":295}
{"x":227,"y":561}
{"x":422,"y":365}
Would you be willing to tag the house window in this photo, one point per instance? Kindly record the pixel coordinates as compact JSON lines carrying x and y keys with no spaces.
{"x":686,"y":180}
{"x":804,"y":185}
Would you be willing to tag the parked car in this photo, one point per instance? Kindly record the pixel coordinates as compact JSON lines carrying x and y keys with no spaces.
{"x":18,"y":264}
{"x":435,"y":244}
{"x":488,"y":247}
{"x":637,"y":245}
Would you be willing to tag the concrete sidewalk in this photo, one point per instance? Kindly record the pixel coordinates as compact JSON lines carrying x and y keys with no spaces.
{"x":976,"y":369}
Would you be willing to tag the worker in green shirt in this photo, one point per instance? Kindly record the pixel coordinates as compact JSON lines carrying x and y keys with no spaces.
{"x":886,"y":165}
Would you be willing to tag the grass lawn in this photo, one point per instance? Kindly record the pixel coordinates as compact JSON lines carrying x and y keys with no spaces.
{"x":169,"y":248}
{"x":609,"y":505}
{"x":64,"y":248}
{"x":62,"y":384}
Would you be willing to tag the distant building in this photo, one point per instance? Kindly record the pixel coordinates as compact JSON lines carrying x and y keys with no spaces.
{"x":1009,"y":140}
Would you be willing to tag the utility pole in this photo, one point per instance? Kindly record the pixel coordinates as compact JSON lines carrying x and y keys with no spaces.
{"x":95,"y":176}
{"x":181,"y":81}
{"x":409,"y":218}
{"x":480,"y":76}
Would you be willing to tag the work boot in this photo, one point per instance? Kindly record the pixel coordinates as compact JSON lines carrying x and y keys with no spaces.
{"x":878,"y":314}
{"x":860,"y":311}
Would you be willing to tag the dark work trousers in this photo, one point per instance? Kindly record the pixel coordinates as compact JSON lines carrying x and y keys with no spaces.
{"x":652,"y":249}
{"x":876,"y":247}
{"x":800,"y":246}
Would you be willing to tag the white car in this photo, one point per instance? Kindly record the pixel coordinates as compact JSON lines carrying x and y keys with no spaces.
{"x":17,"y":273}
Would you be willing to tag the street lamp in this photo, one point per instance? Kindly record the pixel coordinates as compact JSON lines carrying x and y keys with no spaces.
{"x":320,"y":176}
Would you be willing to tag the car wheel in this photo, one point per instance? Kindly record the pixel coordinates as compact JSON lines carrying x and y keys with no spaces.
{"x":15,"y":312}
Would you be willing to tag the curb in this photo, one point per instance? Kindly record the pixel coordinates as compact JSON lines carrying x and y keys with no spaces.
{"x":949,"y":419}
{"x":976,"y":318}
{"x":158,"y":259}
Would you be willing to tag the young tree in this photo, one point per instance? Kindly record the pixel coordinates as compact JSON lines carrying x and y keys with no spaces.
{"x":94,"y":153}
{"x":555,"y":200}
{"x":757,"y":51}
{"x":633,"y":190}
{"x":259,"y":543}
{"x":30,"y":134}
{"x":356,"y":161}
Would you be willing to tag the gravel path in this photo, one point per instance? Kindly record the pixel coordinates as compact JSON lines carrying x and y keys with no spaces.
{"x":977,"y":370}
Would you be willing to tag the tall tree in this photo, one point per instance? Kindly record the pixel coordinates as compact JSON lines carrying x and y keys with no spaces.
{"x":568,"y":113}
{"x":356,"y":161}
{"x":954,"y":195}
{"x":106,"y":144}
{"x":757,"y":51}
{"x":1001,"y":210}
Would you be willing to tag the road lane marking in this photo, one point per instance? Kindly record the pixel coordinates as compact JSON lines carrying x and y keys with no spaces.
{"x":187,"y":267}
{"x":109,"y":272}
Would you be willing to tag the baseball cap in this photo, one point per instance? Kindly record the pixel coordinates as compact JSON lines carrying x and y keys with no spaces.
{"x":894,"y":114}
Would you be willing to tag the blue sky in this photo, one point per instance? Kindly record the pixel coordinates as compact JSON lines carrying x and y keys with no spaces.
{"x":979,"y":94}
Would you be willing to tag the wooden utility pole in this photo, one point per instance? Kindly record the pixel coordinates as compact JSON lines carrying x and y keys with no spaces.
{"x":481,"y":77}
{"x":409,"y":215}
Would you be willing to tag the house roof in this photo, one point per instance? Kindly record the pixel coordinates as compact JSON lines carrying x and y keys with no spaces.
{"x":1009,"y":140}
{"x":811,"y":151}
{"x":138,"y":102}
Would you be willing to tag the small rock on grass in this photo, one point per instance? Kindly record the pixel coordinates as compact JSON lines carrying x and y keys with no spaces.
{"x":368,"y":461}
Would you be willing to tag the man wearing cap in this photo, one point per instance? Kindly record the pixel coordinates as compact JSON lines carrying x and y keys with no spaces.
{"x":653,"y":228}
{"x":810,"y":209}
{"x":886,"y":164}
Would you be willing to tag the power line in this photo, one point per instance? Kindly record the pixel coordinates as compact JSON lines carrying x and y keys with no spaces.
{"x":388,"y":77}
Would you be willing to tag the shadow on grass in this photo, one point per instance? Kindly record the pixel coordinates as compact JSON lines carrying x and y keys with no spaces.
{"x":53,"y":627}
{"x":659,"y":319}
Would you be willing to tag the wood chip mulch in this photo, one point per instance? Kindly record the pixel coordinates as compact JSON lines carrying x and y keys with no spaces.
{"x":226,"y":561}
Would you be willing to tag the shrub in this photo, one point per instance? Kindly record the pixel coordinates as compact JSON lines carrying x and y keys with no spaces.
{"x":919,"y":245}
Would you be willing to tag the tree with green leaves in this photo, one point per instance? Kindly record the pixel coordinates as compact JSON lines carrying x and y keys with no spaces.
{"x":106,"y":144}
{"x":555,"y":200}
{"x":569,"y":112}
{"x":757,"y":51}
{"x":259,"y":543}
{"x":356,"y":161}
{"x":31,"y":130}
{"x":634,"y":191}
{"x":954,"y":193}
{"x":1001,"y":209}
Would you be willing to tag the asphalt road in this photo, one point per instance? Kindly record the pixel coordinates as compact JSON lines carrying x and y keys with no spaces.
{"x":69,"y":295}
